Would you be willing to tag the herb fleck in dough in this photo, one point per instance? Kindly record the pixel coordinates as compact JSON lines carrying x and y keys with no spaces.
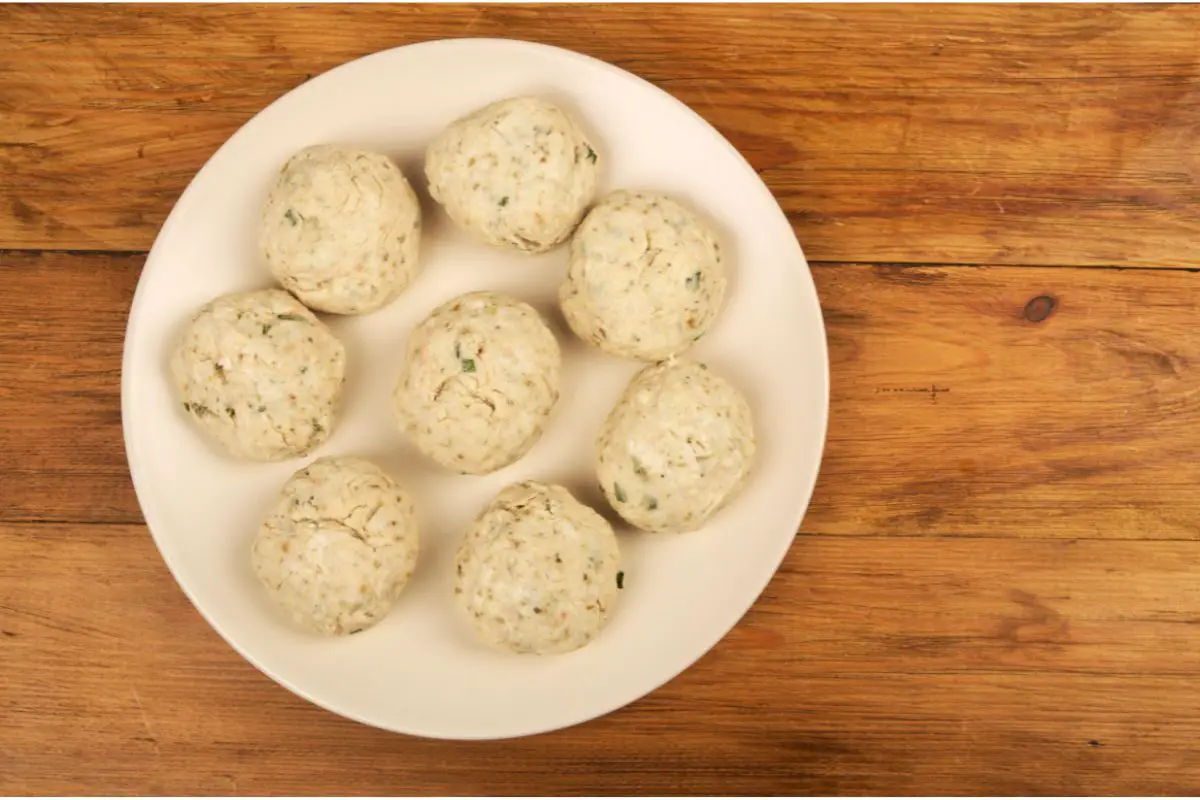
{"x":538,"y":571}
{"x":260,"y":375}
{"x":645,"y":278}
{"x":341,"y":229}
{"x":339,"y":546}
{"x":517,"y":174}
{"x":676,"y":448}
{"x":480,"y":380}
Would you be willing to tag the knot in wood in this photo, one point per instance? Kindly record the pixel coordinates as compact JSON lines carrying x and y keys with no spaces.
{"x":1040,"y":307}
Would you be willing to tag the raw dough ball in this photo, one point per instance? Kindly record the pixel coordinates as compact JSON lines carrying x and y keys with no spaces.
{"x":339,"y":546}
{"x":341,"y":228}
{"x":480,"y":380}
{"x":676,"y":448}
{"x":259,"y":374}
{"x":516,"y":174}
{"x":645,"y":278}
{"x":537,"y":571}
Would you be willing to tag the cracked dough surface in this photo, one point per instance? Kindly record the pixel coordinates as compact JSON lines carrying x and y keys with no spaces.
{"x":338,"y":547}
{"x":676,"y":448}
{"x":480,"y":380}
{"x":260,"y":375}
{"x":341,"y":229}
{"x":645,"y":278}
{"x":517,"y":174}
{"x":537,"y":571}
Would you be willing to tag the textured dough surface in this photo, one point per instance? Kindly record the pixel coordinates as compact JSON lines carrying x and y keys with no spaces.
{"x":517,"y":174}
{"x":260,"y":375}
{"x":645,"y":278}
{"x":678,"y":446}
{"x":537,"y":571}
{"x":480,"y":380}
{"x":339,"y":546}
{"x":341,"y":228}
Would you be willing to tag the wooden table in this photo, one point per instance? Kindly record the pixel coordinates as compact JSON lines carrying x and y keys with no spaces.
{"x":997,"y":588}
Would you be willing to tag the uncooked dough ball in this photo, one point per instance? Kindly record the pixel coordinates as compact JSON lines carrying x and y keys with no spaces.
{"x":260,"y":375}
{"x":341,"y":229}
{"x":538,"y":571}
{"x":339,"y":546}
{"x":480,"y":379}
{"x":677,"y":447}
{"x":645,"y":278}
{"x":517,"y":174}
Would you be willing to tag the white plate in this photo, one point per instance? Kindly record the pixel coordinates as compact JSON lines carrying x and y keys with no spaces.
{"x":418,"y":671}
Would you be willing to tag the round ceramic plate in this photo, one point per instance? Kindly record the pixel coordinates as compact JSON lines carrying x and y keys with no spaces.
{"x":420,"y":671}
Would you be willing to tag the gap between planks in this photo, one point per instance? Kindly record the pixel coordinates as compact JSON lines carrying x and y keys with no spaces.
{"x":39,"y":251}
{"x":31,"y":522}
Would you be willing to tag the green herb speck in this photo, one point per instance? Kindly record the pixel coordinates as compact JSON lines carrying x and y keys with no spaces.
{"x":457,"y":351}
{"x":651,"y":503}
{"x":187,"y":406}
{"x":639,"y":469}
{"x":504,"y":201}
{"x":693,"y":281}
{"x":468,"y":365}
{"x":357,"y":630}
{"x":201,"y":410}
{"x":295,"y":317}
{"x":261,"y":409}
{"x":317,"y":427}
{"x":229,"y":410}
{"x":290,"y":216}
{"x":619,"y":492}
{"x":266,"y":328}
{"x":591,"y":154}
{"x":303,"y":370}
{"x":620,"y":580}
{"x":217,"y":368}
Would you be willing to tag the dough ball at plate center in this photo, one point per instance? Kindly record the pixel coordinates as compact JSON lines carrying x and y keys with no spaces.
{"x":480,"y":379}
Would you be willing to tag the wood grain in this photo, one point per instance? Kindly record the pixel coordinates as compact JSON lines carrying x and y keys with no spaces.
{"x":952,"y":413}
{"x":969,"y":134}
{"x":873,"y":666}
{"x":994,"y":591}
{"x":60,"y":384}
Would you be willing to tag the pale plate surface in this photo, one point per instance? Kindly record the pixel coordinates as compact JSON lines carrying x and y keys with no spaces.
{"x":420,"y":671}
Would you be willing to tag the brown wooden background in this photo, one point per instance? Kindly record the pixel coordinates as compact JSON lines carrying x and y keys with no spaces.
{"x":997,"y":589}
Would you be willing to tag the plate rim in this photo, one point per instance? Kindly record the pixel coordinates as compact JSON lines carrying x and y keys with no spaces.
{"x":139,"y":477}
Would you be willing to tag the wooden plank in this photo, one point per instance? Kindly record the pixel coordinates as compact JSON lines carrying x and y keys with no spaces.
{"x":973,"y":134}
{"x":890,"y":666}
{"x":60,"y":374}
{"x":952,"y":413}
